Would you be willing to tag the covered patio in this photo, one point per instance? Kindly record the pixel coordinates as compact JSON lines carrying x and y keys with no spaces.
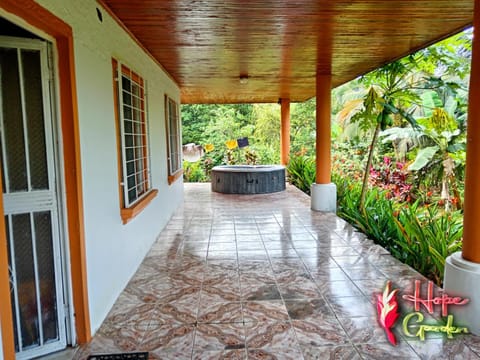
{"x":262,"y":277}
{"x":227,"y":276}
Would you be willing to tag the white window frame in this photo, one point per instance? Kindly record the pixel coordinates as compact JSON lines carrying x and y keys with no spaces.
{"x":173,"y":133}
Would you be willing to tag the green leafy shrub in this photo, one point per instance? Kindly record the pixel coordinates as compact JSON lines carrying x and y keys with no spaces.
{"x":420,"y":236}
{"x":301,"y":172}
{"x":376,"y":221}
{"x":193,"y":172}
{"x":426,"y":237}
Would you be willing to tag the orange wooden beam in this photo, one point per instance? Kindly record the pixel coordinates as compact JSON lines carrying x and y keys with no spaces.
{"x":323,"y":129}
{"x":471,"y":225}
{"x":285,"y":131}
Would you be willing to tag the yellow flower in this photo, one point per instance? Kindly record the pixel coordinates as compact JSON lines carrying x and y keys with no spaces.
{"x":209,"y":147}
{"x":231,"y":144}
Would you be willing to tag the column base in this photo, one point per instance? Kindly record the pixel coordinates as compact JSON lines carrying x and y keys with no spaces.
{"x":461,"y":279}
{"x":324,"y":197}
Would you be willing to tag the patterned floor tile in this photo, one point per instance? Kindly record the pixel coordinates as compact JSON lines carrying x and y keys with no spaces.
{"x":381,"y":351}
{"x":314,"y":310}
{"x":270,"y":334}
{"x":327,"y":332}
{"x":364,"y":330}
{"x":130,"y":313}
{"x":330,"y":352}
{"x":473,"y":342}
{"x":262,"y":277}
{"x":220,"y":354}
{"x":443,"y":348}
{"x":328,"y":275}
{"x":338,"y":289}
{"x":274,"y":354}
{"x":177,"y":338}
{"x":267,"y":310}
{"x":176,"y":312}
{"x":255,"y":291}
{"x":352,"y":306}
{"x":314,"y":263}
{"x":211,"y":312}
{"x":211,"y":337}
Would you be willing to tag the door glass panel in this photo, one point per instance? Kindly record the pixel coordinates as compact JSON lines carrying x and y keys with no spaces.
{"x":25,"y":276}
{"x":44,"y":246}
{"x":32,"y":84}
{"x":13,"y":121}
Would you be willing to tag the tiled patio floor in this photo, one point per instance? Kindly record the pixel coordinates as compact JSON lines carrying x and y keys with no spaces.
{"x":262,"y":277}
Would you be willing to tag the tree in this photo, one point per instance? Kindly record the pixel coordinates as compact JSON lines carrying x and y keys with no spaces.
{"x":440,"y":143}
{"x":267,"y":132}
{"x":195,"y":119}
{"x":387,"y":100}
{"x":302,"y":127}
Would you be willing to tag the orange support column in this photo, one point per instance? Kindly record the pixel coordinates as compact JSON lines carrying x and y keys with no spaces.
{"x":323,"y":132}
{"x":462,"y":269}
{"x":471,"y":225}
{"x":285,"y":131}
{"x":323,"y":192}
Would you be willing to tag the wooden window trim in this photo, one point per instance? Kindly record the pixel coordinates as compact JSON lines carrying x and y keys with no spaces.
{"x":128,"y":213}
{"x":177,"y":175}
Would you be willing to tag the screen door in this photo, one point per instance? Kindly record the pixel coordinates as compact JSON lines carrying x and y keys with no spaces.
{"x":30,"y":197}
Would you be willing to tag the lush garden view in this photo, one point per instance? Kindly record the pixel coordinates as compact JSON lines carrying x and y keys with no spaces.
{"x":398,"y":137}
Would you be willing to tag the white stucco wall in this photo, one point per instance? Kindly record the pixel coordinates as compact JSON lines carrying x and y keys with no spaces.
{"x":114,"y":250}
{"x":1,"y":352}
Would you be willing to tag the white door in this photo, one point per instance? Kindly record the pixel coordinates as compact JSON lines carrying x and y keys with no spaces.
{"x":30,"y":197}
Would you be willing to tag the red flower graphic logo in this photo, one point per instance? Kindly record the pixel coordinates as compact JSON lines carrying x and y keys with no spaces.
{"x":387,"y":307}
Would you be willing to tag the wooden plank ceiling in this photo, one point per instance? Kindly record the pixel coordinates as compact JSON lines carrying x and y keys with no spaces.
{"x":206,"y":45}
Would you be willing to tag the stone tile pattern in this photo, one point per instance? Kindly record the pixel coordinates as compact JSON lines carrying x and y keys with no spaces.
{"x":261,"y":277}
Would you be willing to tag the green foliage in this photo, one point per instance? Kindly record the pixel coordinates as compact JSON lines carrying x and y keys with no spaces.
{"x":301,"y":172}
{"x":195,"y":119}
{"x":266,"y":136}
{"x":450,"y":57}
{"x":302,"y":128}
{"x":426,"y":237}
{"x":377,"y":219}
{"x":424,"y":156}
{"x":422,"y":237}
{"x":194,"y":172}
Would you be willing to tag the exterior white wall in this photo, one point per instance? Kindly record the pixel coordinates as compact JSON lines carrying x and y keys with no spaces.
{"x":114,"y":250}
{"x":1,"y":352}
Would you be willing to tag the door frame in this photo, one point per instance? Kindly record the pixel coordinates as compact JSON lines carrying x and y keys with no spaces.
{"x":37,"y":19}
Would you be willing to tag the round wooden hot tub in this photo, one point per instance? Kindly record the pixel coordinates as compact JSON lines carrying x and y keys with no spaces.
{"x":248,"y":179}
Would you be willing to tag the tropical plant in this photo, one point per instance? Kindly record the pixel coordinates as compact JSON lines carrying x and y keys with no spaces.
{"x":193,"y":172}
{"x":301,"y":172}
{"x":392,"y":177}
{"x":426,"y":237}
{"x":302,"y":128}
{"x":440,"y":143}
{"x":377,"y":219}
{"x":386,"y":101}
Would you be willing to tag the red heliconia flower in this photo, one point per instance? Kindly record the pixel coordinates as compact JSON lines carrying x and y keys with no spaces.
{"x":387,"y":309}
